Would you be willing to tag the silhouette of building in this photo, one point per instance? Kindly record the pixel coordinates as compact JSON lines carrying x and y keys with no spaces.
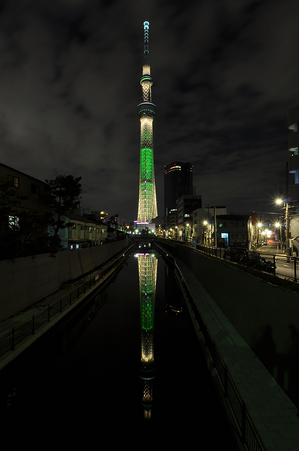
{"x":178,"y":181}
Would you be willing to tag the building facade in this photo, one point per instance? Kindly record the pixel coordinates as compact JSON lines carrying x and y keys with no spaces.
{"x":34,"y":197}
{"x":202,"y":223}
{"x":233,"y":231}
{"x":293,"y":162}
{"x":31,"y":192}
{"x":147,"y":201}
{"x":178,"y":181}
{"x":82,"y":232}
{"x":186,"y":205}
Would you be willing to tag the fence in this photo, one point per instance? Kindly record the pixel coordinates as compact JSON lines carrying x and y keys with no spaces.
{"x":12,"y":338}
{"x":248,"y":432}
{"x":279,"y":265}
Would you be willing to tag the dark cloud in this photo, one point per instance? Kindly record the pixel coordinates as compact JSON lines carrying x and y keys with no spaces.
{"x":225,"y":74}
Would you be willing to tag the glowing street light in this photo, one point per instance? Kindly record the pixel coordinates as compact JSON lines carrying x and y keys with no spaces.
{"x":285,"y":204}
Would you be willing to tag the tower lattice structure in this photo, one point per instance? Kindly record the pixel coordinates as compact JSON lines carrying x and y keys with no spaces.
{"x":147,"y":269}
{"x":147,"y":203}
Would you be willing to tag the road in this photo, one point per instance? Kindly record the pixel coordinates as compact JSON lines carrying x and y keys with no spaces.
{"x":284,"y":267}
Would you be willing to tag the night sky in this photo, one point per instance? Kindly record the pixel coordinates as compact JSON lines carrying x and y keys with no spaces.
{"x":225,"y":74}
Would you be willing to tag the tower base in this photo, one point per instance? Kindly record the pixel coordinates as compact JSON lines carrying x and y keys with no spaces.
{"x":146,"y":227}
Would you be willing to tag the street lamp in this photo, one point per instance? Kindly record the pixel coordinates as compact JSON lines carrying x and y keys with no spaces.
{"x":278,"y":226}
{"x":206,"y":232}
{"x":287,"y":217}
{"x":259,"y":225}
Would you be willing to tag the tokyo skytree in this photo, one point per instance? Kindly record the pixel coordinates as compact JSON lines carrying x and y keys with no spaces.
{"x":147,"y":203}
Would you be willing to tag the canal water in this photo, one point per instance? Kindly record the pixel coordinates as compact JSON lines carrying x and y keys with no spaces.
{"x":126,"y":370}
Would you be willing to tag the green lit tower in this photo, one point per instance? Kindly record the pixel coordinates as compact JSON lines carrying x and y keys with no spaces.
{"x":147,"y":203}
{"x":147,"y":268}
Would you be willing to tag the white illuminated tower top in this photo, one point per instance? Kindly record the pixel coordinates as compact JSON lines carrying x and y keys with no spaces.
{"x":147,"y":203}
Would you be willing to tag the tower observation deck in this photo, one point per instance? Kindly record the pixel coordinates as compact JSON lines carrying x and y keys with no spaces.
{"x":147,"y":202}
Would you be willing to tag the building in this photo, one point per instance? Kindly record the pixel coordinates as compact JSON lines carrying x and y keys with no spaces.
{"x":292,"y":189}
{"x":32,"y":193}
{"x":100,"y":215}
{"x":202,"y":223}
{"x":186,"y":205}
{"x":233,"y":231}
{"x":293,"y":162}
{"x":34,"y":197}
{"x":81,"y":232}
{"x":147,"y":201}
{"x":178,"y":181}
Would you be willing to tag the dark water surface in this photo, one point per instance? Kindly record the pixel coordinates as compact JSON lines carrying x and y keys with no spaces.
{"x":83,"y":384}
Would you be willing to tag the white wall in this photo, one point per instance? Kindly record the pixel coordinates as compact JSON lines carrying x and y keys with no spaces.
{"x":28,"y":280}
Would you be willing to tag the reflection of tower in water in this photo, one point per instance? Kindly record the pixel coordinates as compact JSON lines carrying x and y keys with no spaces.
{"x":147,"y":268}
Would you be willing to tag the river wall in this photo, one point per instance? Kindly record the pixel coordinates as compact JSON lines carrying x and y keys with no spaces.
{"x":28,"y":280}
{"x":265,"y":315}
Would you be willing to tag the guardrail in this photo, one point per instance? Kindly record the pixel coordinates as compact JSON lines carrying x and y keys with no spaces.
{"x":279,"y":265}
{"x":13,"y":337}
{"x":248,"y":432}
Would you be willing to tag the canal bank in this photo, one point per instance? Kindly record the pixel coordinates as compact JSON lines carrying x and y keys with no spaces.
{"x":273,"y":413}
{"x":27,"y":280}
{"x":93,"y":389}
{"x":18,"y":332}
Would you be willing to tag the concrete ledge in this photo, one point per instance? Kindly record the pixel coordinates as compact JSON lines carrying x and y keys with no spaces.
{"x":273,"y":413}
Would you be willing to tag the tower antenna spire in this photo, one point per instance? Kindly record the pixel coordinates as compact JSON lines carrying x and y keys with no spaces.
{"x":146,"y":42}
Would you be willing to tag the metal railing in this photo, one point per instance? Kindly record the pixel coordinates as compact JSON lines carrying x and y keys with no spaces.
{"x":10,"y":339}
{"x":248,"y":432}
{"x":279,"y":265}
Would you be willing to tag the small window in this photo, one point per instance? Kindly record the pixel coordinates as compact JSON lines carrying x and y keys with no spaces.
{"x":13,"y":181}
{"x":35,"y":189}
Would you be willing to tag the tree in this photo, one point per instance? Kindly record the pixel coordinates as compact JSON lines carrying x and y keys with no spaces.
{"x":65,"y":197}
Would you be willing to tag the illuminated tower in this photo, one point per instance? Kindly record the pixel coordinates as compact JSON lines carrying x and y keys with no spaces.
{"x":147,"y":203}
{"x":147,"y":268}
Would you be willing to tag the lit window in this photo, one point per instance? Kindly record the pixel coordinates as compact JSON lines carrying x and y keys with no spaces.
{"x":13,"y":181}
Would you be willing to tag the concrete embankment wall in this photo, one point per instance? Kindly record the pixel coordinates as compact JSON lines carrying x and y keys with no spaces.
{"x":28,"y":280}
{"x":265,"y":315}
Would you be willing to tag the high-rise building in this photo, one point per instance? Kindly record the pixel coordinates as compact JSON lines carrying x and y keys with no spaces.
{"x":147,"y":203}
{"x":292,"y":190}
{"x":178,"y":181}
